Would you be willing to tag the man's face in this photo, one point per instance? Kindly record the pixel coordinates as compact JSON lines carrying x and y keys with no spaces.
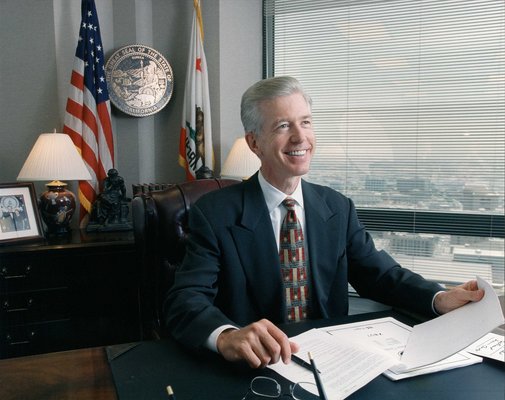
{"x":286,"y":142}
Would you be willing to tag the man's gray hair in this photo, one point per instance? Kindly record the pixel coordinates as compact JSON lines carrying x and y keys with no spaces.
{"x":266,"y":89}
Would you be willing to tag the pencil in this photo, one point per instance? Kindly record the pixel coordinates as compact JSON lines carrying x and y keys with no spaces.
{"x":319,"y":383}
{"x":300,"y":361}
{"x":170,"y":392}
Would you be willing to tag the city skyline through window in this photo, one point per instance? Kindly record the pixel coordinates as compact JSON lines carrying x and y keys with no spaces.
{"x":408,"y":113}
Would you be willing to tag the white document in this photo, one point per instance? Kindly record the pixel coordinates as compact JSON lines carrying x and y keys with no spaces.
{"x":345,"y":366}
{"x":491,"y":346}
{"x":391,"y":336}
{"x":351,"y":355}
{"x":444,"y":336}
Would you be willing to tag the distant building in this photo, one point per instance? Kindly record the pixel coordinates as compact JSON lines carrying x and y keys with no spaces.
{"x":406,"y":185}
{"x":495,"y":258}
{"x":375,"y":184}
{"x":411,"y":244}
{"x":478,"y":197}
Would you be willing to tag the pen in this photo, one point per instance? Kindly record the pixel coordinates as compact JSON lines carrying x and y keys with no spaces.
{"x":319,"y":383}
{"x":300,"y":361}
{"x":170,"y":392}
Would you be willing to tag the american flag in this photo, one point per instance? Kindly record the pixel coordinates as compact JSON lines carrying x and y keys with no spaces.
{"x":87,"y":117}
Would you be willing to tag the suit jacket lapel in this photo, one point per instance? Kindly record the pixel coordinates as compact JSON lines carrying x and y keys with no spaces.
{"x":257,"y":249}
{"x":319,"y":237}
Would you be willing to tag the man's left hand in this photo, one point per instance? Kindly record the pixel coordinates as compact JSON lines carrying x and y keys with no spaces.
{"x":457,"y":297}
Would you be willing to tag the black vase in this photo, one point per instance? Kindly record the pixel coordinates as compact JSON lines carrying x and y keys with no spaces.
{"x":57,"y":205}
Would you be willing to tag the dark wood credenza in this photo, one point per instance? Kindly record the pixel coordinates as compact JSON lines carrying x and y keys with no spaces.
{"x":68,"y":292}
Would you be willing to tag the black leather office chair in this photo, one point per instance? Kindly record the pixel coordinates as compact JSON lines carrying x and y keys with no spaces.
{"x":160,"y":225}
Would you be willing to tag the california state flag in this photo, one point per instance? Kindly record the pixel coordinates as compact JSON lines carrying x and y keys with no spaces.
{"x":196,"y":154}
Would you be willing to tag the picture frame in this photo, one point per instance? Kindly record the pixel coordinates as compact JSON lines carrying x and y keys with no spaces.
{"x":19,"y":214}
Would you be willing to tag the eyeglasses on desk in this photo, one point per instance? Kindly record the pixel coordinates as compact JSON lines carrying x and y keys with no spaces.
{"x":265,"y":387}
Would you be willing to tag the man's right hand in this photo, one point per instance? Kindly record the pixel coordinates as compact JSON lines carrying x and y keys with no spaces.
{"x":259,"y":344}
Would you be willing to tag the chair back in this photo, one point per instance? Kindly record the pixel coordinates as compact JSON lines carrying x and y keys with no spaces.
{"x":160,"y":226}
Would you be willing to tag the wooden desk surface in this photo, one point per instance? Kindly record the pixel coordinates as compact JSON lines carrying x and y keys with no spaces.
{"x":76,"y":374}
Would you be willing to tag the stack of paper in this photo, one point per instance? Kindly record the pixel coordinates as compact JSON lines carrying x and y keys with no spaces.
{"x":351,"y":355}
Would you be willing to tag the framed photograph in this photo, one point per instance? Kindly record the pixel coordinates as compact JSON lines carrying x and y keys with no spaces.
{"x":19,"y":214}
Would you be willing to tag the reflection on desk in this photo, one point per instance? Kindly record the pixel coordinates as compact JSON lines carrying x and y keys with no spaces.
{"x":75,"y":374}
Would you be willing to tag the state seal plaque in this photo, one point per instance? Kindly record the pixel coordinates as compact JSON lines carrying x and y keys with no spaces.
{"x":140,"y":80}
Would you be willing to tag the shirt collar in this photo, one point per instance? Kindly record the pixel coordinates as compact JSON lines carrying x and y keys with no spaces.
{"x":274,"y":197}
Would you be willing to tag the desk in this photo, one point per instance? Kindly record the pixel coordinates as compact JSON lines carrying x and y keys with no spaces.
{"x":144,"y":371}
{"x":74,"y":374}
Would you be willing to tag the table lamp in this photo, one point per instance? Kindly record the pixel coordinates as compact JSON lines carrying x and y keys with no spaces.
{"x":241,"y":163}
{"x":55,"y":158}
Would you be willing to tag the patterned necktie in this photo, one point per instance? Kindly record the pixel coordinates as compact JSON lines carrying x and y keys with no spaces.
{"x":293,"y":264}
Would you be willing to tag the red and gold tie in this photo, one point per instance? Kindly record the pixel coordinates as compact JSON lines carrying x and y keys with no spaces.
{"x":293,"y":264}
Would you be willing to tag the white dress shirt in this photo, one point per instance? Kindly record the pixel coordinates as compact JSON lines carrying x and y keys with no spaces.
{"x":274,"y":198}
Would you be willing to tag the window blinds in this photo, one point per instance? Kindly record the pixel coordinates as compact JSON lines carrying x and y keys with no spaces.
{"x":409,"y":113}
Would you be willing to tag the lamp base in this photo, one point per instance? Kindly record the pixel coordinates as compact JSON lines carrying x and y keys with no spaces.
{"x":57,"y":205}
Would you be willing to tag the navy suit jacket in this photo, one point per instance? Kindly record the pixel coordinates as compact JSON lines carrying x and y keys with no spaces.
{"x":231,"y":271}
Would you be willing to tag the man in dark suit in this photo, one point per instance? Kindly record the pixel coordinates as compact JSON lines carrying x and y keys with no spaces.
{"x":230,"y":292}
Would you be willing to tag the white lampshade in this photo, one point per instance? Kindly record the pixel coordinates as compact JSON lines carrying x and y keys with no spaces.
{"x":241,"y":162}
{"x":54,"y":157}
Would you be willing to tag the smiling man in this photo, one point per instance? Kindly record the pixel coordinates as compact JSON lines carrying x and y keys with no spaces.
{"x":285,"y":140}
{"x":276,"y":249}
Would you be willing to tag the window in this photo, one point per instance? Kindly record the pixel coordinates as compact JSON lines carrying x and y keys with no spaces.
{"x":409,"y":112}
